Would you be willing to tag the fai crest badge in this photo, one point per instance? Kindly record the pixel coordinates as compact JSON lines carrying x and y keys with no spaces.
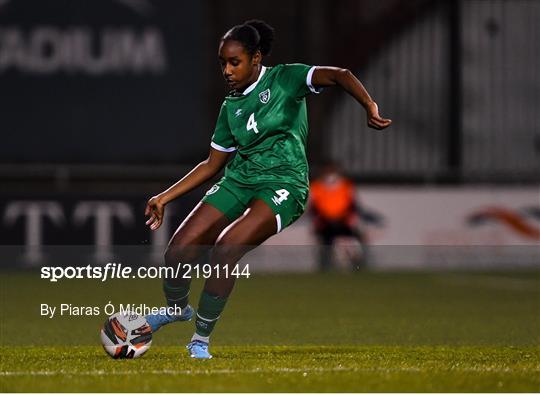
{"x":264,"y":96}
{"x":212,"y":190}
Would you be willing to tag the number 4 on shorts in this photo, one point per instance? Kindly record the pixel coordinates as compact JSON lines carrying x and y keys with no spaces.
{"x":282,"y":195}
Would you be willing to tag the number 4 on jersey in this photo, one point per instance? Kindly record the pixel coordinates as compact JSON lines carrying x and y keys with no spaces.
{"x":282,"y":195}
{"x":251,"y":124}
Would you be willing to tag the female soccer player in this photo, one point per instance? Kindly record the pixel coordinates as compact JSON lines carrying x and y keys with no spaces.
{"x":265,"y":186}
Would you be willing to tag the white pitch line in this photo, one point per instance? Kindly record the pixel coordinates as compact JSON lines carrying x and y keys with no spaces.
{"x":205,"y":372}
{"x":258,"y":370}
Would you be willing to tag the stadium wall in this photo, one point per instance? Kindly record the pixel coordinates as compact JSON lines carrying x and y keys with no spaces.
{"x":462,"y":93}
{"x":419,"y":227}
{"x":435,"y":228}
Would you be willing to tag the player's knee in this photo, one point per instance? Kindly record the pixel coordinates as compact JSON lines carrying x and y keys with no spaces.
{"x":183,"y":250}
{"x":227,"y":250}
{"x":172,"y":256}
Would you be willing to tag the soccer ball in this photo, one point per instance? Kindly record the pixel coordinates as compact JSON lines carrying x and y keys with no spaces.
{"x":126,"y":336}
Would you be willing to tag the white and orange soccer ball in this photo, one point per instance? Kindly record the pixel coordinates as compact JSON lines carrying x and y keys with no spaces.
{"x":126,"y":336}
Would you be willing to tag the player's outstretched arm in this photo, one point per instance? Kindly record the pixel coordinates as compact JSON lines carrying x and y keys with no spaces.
{"x":202,"y":172}
{"x":330,"y":76}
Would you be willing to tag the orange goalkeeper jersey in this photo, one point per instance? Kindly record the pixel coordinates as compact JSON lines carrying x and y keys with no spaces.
{"x":333,"y":201}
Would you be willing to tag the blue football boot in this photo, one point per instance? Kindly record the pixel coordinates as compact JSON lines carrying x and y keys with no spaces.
{"x":156,"y":321}
{"x":198,"y":349}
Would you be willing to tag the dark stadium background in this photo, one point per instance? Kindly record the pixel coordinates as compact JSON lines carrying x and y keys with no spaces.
{"x":114,"y":100}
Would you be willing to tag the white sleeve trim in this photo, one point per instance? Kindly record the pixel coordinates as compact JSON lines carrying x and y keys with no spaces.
{"x":220,"y":148}
{"x":309,"y":83}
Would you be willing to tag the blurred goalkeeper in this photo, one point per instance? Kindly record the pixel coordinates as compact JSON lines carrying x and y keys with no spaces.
{"x":337,"y":215}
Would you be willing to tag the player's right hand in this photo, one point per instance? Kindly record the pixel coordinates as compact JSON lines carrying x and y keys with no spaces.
{"x":155,"y":209}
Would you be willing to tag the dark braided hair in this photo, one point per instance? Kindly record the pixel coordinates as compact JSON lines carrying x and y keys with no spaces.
{"x":254,"y":35}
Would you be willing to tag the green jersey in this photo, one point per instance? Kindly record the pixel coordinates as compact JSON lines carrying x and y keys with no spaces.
{"x":267,"y":125}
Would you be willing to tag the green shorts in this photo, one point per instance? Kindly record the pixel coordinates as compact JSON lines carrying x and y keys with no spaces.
{"x":233,"y":198}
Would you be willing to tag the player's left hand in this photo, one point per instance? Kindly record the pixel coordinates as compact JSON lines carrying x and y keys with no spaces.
{"x":375,"y":121}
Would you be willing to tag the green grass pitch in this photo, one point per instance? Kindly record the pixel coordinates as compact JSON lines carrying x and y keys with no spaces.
{"x":414,"y":331}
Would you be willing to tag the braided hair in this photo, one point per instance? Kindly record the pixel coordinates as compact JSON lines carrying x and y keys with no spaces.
{"x":254,"y":35}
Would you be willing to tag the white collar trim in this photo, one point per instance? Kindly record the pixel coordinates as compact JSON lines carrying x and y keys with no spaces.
{"x":252,"y":86}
